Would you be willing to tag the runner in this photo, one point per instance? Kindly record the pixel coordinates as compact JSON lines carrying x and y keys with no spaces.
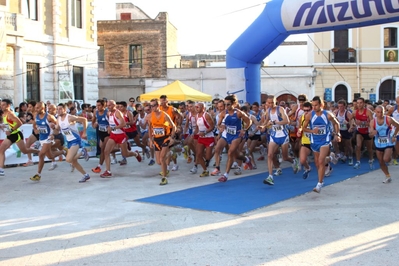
{"x":362,"y":117}
{"x":162,"y":132}
{"x":318,"y":123}
{"x":58,"y":141}
{"x":143,"y":111}
{"x":276,"y":120}
{"x":100,"y":122}
{"x":44,"y":123}
{"x":232,"y":119}
{"x":305,"y":150}
{"x":10,"y":126}
{"x":381,"y":129}
{"x":394,"y":112}
{"x":67,"y":125}
{"x":344,"y":118}
{"x":116,"y":136}
{"x":34,"y":136}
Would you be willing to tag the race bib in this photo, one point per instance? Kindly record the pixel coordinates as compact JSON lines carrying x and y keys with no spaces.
{"x":231,"y":130}
{"x":308,"y":135}
{"x":277,"y":128}
{"x":43,"y":130}
{"x":159,"y":131}
{"x":113,"y":128}
{"x":67,"y":132}
{"x":102,"y":128}
{"x":383,"y":140}
{"x":343,"y":126}
{"x":321,"y":131}
{"x":363,"y":124}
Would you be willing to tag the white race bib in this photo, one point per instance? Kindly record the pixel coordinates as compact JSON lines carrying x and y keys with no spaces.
{"x":231,"y":130}
{"x":363,"y":124}
{"x":321,"y":131}
{"x":277,"y":127}
{"x":383,"y":140}
{"x":159,"y":131}
{"x":43,"y":130}
{"x":343,"y":126}
{"x":102,"y":128}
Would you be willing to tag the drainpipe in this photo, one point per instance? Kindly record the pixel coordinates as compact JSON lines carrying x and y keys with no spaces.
{"x":357,"y":61}
{"x":56,"y":88}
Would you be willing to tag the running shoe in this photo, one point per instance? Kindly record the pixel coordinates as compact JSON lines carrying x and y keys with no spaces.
{"x":164,"y":181}
{"x":306,"y":173}
{"x":28,"y":163}
{"x":175,"y":168}
{"x":185,"y":152}
{"x":387,"y":180}
{"x":295,"y":166}
{"x":152,"y":162}
{"x":85,"y":154}
{"x":123,"y":162}
{"x":52,"y":167}
{"x":204,"y":173}
{"x":215,"y":172}
{"x":357,"y":165}
{"x":96,"y":170}
{"x":2,"y":172}
{"x":238,"y":171}
{"x":138,"y":157}
{"x":328,"y":171}
{"x":234,"y":165}
{"x":395,"y":162}
{"x":333,"y":158}
{"x":193,"y":170}
{"x":113,"y":161}
{"x":190,"y":159}
{"x":371,"y":164}
{"x":343,"y":159}
{"x":222,"y":179}
{"x":350,"y":161}
{"x":84,"y":178}
{"x":278,"y":172}
{"x":269,"y":180}
{"x":261,"y":158}
{"x":106,"y":174}
{"x":318,"y":187}
{"x":36,"y":177}
{"x":248,"y":165}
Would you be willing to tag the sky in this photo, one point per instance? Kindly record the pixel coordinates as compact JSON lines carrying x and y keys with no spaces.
{"x":206,"y":26}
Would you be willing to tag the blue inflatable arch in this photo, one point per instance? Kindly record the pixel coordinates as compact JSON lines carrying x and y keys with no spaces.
{"x":280,"y":18}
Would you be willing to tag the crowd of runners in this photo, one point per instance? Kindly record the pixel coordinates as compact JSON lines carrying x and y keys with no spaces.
{"x":327,"y":132}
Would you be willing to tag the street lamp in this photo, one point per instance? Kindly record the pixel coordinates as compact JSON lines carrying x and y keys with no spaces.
{"x":368,"y":91}
{"x":314,"y":75}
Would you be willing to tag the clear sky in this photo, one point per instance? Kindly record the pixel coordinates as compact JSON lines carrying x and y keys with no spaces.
{"x":205,"y":26}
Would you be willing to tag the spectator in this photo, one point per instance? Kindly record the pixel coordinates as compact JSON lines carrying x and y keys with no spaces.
{"x":131,"y":104}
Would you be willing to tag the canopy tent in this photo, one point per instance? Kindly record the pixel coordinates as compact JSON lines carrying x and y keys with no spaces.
{"x":177,"y":91}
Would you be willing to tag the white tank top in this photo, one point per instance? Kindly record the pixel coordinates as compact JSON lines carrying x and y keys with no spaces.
{"x":113,"y":122}
{"x":141,"y":122}
{"x":203,"y":126}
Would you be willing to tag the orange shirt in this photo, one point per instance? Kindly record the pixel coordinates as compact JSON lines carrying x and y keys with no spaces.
{"x":160,"y":126}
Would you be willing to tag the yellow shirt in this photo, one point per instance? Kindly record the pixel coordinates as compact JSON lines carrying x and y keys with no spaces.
{"x":305,"y":135}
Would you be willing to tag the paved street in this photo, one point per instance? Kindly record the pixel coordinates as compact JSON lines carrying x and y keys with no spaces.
{"x":58,"y":221}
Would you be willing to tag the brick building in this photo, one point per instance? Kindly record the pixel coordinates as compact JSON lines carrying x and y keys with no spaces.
{"x":135,"y":51}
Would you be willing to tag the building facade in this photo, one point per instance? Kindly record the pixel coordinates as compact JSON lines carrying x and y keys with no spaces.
{"x":135,"y":51}
{"x":361,"y":61}
{"x":49,"y":51}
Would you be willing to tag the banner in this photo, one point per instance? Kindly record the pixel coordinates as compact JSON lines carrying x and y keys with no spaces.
{"x":66,"y":92}
{"x":15,"y":156}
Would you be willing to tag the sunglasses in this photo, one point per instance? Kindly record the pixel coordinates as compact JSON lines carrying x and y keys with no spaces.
{"x":306,"y":110}
{"x":153,"y":105}
{"x":227,"y":104}
{"x":131,"y":101}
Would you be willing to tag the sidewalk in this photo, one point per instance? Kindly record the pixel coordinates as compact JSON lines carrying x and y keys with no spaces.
{"x":59,"y":221}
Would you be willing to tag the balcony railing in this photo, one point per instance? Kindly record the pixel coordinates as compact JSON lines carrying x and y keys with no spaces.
{"x":342,"y":55}
{"x":10,"y":21}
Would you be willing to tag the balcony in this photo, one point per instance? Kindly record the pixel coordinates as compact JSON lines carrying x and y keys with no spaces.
{"x":13,"y":23}
{"x":346,"y":55}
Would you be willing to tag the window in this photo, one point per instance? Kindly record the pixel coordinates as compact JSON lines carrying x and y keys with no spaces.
{"x":32,"y":81}
{"x":76,"y":13}
{"x":341,"y":38}
{"x":30,"y":7}
{"x":341,"y":93}
{"x":387,"y":90}
{"x":3,"y":2}
{"x":135,"y":56}
{"x":126,"y":16}
{"x":390,"y":37}
{"x":78,"y":84}
{"x":101,"y":57}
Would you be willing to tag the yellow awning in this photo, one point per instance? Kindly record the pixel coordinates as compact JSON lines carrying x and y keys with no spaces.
{"x":177,"y":91}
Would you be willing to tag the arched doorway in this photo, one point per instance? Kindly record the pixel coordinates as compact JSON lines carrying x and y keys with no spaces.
{"x":341,"y":93}
{"x":286,"y":98}
{"x":387,"y":90}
